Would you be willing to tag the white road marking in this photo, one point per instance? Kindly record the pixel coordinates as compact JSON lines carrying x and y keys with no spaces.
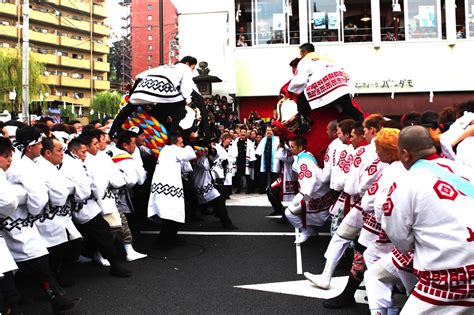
{"x":235,"y":233}
{"x":305,"y":288}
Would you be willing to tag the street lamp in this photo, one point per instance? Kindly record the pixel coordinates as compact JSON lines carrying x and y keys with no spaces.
{"x":12,"y":97}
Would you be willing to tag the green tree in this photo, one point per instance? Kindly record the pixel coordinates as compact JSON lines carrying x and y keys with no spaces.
{"x":11,"y":77}
{"x":105,"y":104}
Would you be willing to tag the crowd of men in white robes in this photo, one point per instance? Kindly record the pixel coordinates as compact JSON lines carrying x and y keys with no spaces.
{"x":399,"y":196}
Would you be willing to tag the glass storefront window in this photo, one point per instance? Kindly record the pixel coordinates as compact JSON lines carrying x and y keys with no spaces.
{"x":271,"y":24}
{"x":263,"y":22}
{"x":469,"y":18}
{"x":392,"y":22}
{"x":324,"y":21}
{"x":357,"y":22}
{"x":423,"y":19}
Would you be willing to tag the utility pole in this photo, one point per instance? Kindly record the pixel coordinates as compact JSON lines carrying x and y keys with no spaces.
{"x":92,"y":62}
{"x":25,"y":93}
{"x":162,"y":34}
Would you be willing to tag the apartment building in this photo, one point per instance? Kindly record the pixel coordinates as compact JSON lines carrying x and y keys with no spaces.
{"x":148,"y":50}
{"x":70,"y":38}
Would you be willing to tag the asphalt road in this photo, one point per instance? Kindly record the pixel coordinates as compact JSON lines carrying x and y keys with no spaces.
{"x":201,"y":277}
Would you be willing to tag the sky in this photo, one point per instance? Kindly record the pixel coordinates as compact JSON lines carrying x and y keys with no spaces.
{"x":116,"y":12}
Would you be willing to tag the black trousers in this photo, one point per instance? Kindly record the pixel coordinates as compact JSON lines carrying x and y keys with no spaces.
{"x":273,"y":195}
{"x":266,"y":180}
{"x":63,"y":255}
{"x":219,"y":208}
{"x":39,"y":270}
{"x":176,"y":110}
{"x":169,"y":231}
{"x":345,"y":102}
{"x":238,"y":179}
{"x":98,"y":234}
{"x":9,"y":296}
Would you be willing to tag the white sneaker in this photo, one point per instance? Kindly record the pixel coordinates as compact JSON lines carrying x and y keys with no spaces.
{"x":321,"y":281}
{"x":304,"y":234}
{"x":132,"y":254}
{"x":97,"y":257}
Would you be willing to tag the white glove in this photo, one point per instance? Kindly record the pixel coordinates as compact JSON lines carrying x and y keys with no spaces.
{"x":297,"y":200}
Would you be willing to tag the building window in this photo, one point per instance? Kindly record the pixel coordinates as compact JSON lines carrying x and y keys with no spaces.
{"x":149,"y":57}
{"x":149,"y":7}
{"x":150,"y":47}
{"x":423,"y":19}
{"x":150,"y":18}
{"x":150,"y":37}
{"x":325,"y":21}
{"x":262,"y":22}
{"x":392,"y":21}
{"x":149,"y":27}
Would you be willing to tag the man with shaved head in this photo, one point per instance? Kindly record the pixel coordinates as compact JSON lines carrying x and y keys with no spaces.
{"x":429,"y":211}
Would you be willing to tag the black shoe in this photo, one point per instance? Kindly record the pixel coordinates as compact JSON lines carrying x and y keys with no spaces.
{"x":61,"y":304}
{"x":238,"y":191}
{"x":346,"y":298}
{"x":118,"y":270}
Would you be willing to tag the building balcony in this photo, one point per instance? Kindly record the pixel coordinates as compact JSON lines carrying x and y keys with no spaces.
{"x":74,"y":43}
{"x":44,"y":38}
{"x":44,"y":17}
{"x":101,"y":66}
{"x":51,"y":79}
{"x":101,"y":48}
{"x":75,"y":24}
{"x":100,"y":11}
{"x":55,"y":2}
{"x":101,"y":85}
{"x":77,"y":83}
{"x":8,"y":9}
{"x":71,"y":100}
{"x":9,"y":31}
{"x":46,"y":58}
{"x":74,"y":63}
{"x":101,"y":29}
{"x":76,"y":5}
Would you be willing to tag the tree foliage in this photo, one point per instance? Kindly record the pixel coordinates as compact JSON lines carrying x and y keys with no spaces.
{"x":105,"y":104}
{"x":11,"y":77}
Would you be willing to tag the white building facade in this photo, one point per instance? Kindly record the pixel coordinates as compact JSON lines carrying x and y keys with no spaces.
{"x":400,"y":55}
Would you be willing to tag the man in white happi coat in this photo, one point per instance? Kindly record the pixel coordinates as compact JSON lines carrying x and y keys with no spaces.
{"x":269,"y":165}
{"x":379,"y":278}
{"x":330,"y":157}
{"x":134,"y":174}
{"x":244,"y":161}
{"x":94,"y":228}
{"x":167,"y":196}
{"x":429,"y":210}
{"x":21,"y":234}
{"x":309,"y":208}
{"x":285,"y":187}
{"x":167,"y":89}
{"x":320,"y":82}
{"x":341,"y":157}
{"x":9,"y":199}
{"x":365,"y":169}
{"x":61,"y":236}
{"x":207,"y":193}
{"x":223,"y":168}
